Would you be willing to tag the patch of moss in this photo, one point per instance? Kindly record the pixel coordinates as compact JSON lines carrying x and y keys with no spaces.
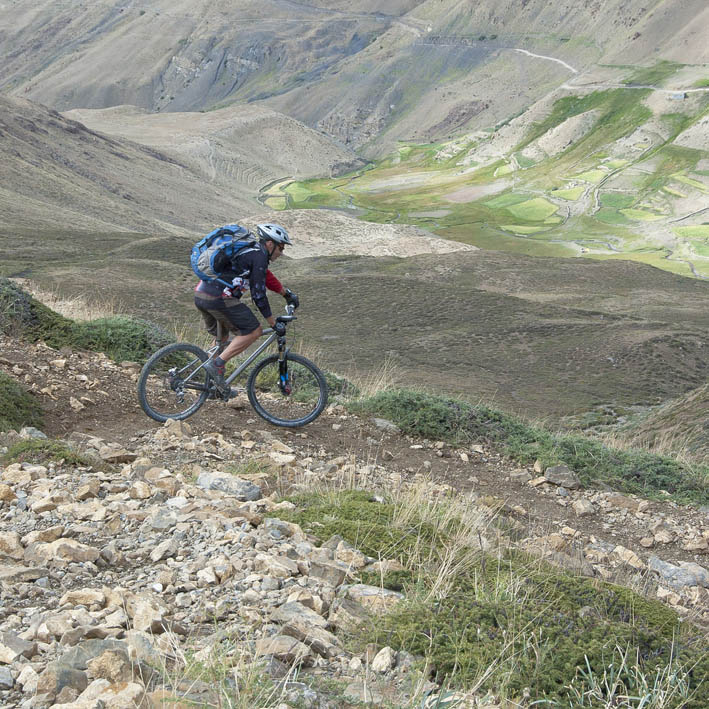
{"x":555,"y":624}
{"x":18,"y":407}
{"x":360,"y":521}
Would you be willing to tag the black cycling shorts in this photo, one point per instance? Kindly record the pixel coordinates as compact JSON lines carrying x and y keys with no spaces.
{"x":234,"y":315}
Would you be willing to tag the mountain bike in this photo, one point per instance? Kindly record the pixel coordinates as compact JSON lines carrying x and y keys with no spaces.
{"x":284,"y":388}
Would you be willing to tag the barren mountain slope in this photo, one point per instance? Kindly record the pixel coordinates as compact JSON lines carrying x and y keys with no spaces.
{"x":56,"y":173}
{"x":416,"y":69}
{"x":240,"y":148}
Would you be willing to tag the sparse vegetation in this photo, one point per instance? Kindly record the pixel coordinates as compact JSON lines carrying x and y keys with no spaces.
{"x":42,"y":451}
{"x":120,"y":337}
{"x":653,"y":75}
{"x":504,"y":621}
{"x":632,"y":471}
{"x":18,"y":407}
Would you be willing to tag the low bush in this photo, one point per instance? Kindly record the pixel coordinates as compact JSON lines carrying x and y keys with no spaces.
{"x":23,"y":316}
{"x":459,"y":422}
{"x":18,"y":407}
{"x":511,"y":621}
{"x":120,"y":337}
{"x":41,"y":451}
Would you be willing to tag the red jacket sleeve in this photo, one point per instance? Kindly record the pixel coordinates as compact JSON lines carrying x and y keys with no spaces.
{"x":272,"y":283}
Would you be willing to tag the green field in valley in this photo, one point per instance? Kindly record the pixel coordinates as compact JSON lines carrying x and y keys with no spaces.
{"x":615,"y":192}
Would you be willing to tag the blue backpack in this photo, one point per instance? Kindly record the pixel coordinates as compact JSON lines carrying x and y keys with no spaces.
{"x":212,"y":255}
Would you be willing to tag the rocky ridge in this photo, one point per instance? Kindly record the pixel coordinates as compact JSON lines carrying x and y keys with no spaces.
{"x":170,"y":544}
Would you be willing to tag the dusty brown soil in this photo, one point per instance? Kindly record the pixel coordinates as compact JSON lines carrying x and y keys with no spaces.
{"x":112,"y":412}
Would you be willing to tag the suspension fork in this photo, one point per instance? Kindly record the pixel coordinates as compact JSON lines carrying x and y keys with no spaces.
{"x":284,"y":382}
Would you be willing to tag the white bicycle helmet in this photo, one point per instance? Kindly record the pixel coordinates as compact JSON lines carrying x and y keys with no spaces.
{"x":274,"y":232}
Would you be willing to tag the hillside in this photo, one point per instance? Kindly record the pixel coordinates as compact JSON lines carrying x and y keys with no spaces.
{"x":344,"y":68}
{"x":238,"y":149}
{"x":56,"y":173}
{"x":681,"y":424}
{"x":520,"y":330}
{"x":601,"y":170}
{"x":211,"y":562}
{"x":544,"y":337}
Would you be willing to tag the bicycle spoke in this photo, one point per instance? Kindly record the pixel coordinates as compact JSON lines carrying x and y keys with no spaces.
{"x":173,"y":383}
{"x":292,"y":401}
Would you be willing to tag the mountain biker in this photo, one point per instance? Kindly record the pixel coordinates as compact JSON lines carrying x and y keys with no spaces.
{"x":218,"y":304}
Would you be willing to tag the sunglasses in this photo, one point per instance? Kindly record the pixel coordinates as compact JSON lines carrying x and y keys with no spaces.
{"x":281,"y":247}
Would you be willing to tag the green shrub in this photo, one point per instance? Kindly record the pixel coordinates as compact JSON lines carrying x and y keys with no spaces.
{"x":459,"y":422}
{"x":526,"y":623}
{"x":363,"y":523}
{"x":339,"y":386}
{"x":120,"y":337}
{"x":18,"y":407}
{"x":23,"y":316}
{"x":556,"y":625}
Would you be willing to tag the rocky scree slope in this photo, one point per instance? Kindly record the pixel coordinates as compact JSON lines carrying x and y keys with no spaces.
{"x":166,"y":540}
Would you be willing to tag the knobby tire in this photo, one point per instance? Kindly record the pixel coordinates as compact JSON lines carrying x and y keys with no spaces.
{"x":304,"y":404}
{"x":159,"y":392}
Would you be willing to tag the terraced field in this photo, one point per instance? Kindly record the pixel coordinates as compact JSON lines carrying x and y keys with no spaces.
{"x":603,"y":174}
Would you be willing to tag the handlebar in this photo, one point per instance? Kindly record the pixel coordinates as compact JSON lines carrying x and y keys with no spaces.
{"x":288,"y":317}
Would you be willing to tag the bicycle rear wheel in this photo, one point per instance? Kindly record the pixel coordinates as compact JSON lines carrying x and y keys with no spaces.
{"x":172,"y":384}
{"x":294,"y":400}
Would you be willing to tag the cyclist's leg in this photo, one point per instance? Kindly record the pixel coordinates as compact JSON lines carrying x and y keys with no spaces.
{"x":244,"y":323}
{"x":212,"y":313}
{"x":205,"y":306}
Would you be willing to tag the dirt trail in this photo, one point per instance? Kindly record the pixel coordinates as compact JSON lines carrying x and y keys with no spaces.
{"x":88,"y":393}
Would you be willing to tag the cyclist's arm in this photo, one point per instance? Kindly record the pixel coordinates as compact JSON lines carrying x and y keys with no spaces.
{"x":257,"y":284}
{"x":272,"y":283}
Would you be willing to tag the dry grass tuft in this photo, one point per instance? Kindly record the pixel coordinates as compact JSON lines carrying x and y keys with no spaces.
{"x":455,"y":522}
{"x":667,"y":443}
{"x":78,"y":307}
{"x":385,"y":377}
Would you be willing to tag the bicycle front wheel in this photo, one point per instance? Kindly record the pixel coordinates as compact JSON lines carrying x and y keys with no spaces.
{"x":173,"y":384}
{"x":289,"y":398}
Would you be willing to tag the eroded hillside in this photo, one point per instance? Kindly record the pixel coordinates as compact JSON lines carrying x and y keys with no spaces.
{"x":58,"y":174}
{"x":415,"y":70}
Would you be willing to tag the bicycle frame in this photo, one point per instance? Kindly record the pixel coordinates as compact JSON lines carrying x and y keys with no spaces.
{"x":270,"y":335}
